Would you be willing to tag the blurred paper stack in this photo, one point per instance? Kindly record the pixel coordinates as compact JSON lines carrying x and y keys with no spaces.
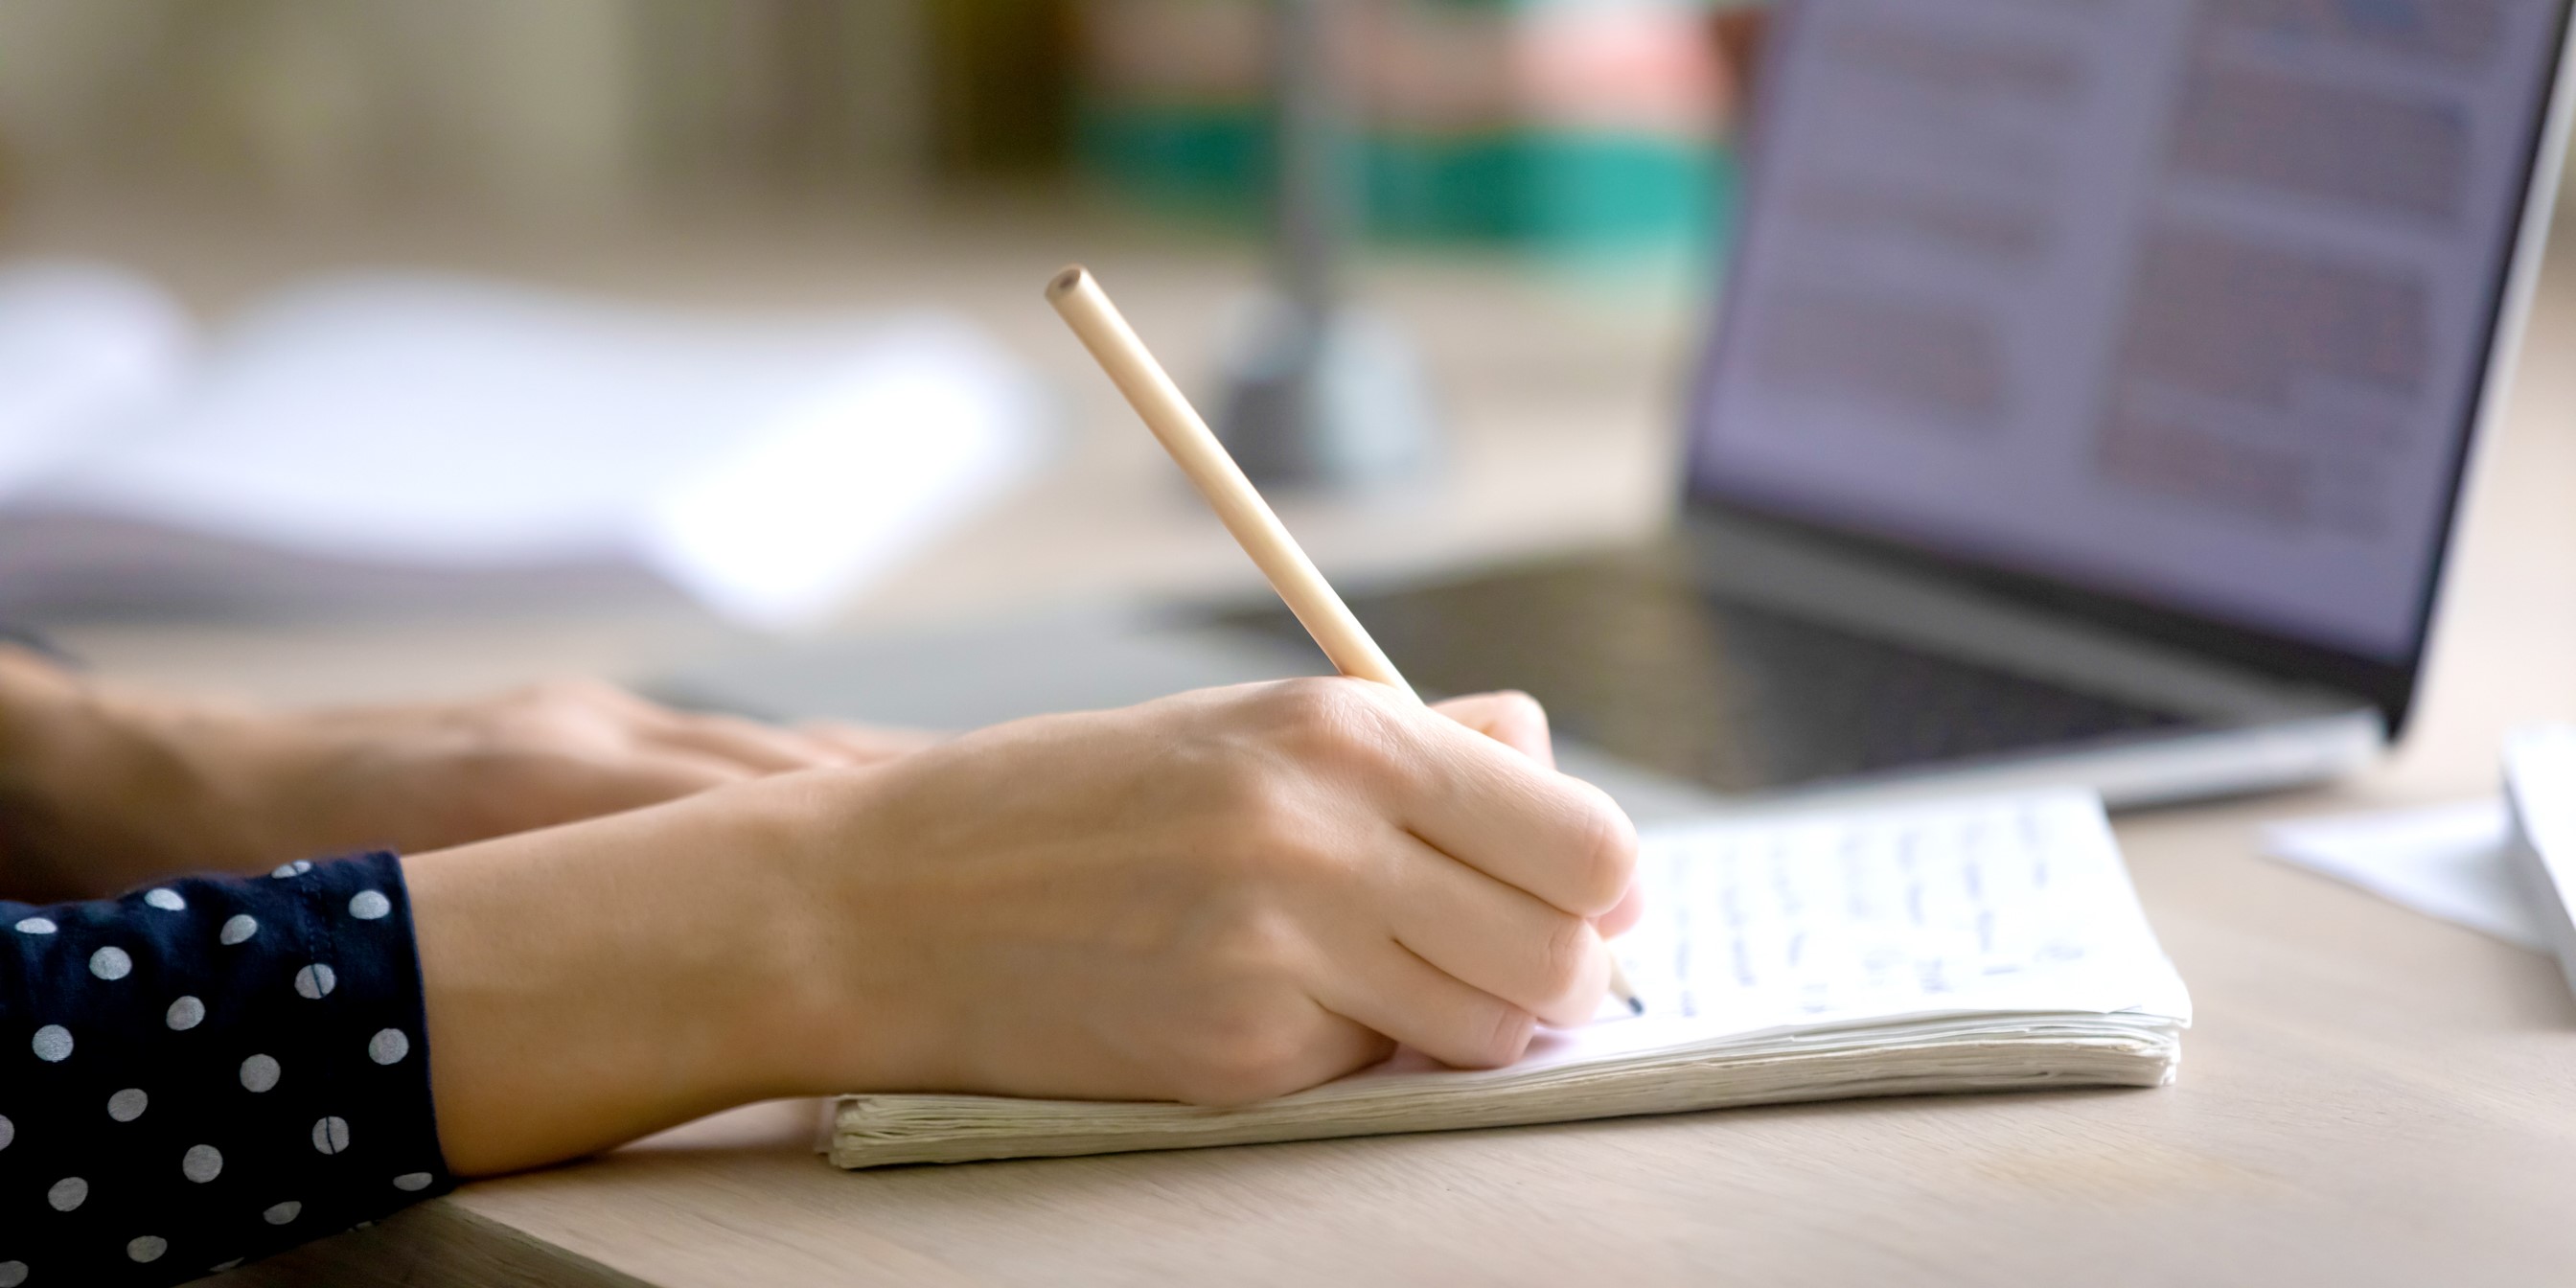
{"x":425,"y":442}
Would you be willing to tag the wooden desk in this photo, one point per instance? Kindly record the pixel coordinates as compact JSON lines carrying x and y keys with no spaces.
{"x":2369,"y":1096}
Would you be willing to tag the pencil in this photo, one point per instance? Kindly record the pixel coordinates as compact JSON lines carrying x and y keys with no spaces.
{"x":1076,"y":295}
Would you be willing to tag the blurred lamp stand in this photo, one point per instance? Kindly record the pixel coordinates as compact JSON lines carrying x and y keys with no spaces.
{"x":1319,"y":394}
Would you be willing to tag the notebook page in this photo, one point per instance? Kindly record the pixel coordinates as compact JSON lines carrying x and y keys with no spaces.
{"x":2017,"y":904}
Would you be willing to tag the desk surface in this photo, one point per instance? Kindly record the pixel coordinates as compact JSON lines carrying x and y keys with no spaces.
{"x":2369,"y":1096}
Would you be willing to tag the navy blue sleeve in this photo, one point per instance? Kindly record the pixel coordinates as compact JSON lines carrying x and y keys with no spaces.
{"x":209,"y":1071}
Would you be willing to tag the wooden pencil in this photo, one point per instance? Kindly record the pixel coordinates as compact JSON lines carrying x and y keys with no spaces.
{"x":1076,"y":295}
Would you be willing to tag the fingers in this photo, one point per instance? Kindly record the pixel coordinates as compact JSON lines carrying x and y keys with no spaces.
{"x":590,"y":717}
{"x":1511,"y":718}
{"x":583,"y":789}
{"x":1623,"y":918}
{"x":1465,"y":793}
{"x":1390,"y":990}
{"x":1496,"y":939}
{"x":867,"y":744}
{"x":1489,"y":807}
{"x":752,"y":745}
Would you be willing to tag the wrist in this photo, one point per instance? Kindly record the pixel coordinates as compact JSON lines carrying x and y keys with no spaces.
{"x":848,"y":1006}
{"x":595,"y":982}
{"x":758,"y":980}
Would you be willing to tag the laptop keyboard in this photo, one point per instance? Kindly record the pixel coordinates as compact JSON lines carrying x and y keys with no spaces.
{"x":1740,"y":697}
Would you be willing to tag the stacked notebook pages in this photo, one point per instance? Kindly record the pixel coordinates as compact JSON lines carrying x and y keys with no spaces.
{"x":1984,"y":946}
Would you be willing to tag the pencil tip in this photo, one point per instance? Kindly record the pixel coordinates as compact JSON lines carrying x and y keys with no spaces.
{"x":1636,"y":1006}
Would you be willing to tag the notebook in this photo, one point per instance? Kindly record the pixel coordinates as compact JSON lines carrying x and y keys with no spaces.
{"x":1987,"y":945}
{"x":399,"y":439}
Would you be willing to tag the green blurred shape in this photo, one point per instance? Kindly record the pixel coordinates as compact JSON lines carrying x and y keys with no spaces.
{"x":1550,"y":190}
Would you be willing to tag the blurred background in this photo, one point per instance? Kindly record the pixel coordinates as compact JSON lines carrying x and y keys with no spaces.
{"x":1560,"y":124}
{"x":1535,"y":190}
{"x":357,"y":345}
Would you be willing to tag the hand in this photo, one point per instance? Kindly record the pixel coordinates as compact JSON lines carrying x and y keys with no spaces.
{"x":434,"y":775}
{"x":104,"y":786}
{"x":1218,"y":897}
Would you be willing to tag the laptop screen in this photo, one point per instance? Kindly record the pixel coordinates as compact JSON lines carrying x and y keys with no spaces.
{"x":2187,"y":304}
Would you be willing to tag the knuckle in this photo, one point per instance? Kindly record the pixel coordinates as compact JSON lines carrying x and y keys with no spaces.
{"x":1322,"y":712}
{"x":569,"y":691}
{"x":1565,"y":956}
{"x":1506,"y":1035}
{"x":1305,"y":699}
{"x":1603,"y":855}
{"x":1517,"y":707}
{"x":550,"y":702}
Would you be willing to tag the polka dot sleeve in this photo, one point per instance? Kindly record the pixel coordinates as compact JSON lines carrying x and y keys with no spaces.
{"x":208,"y":1071}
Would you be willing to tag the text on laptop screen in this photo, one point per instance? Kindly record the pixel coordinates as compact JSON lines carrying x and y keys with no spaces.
{"x":2184,"y":302}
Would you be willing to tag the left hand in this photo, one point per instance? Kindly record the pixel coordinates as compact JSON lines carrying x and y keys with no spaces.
{"x":103,"y":786}
{"x":433,"y":775}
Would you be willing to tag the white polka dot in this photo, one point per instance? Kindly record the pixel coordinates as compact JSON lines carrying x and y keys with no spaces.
{"x":110,"y":963}
{"x":296,"y":869}
{"x":222,"y":1266}
{"x":185,"y":1014}
{"x":238,"y":927}
{"x":368,"y":905}
{"x":12,"y":1273}
{"x":68,"y":1193}
{"x":259,"y":1073}
{"x":147,"y":1248}
{"x":165,"y":900}
{"x":203,"y":1163}
{"x":412,"y":1182}
{"x":388,"y":1046}
{"x":316,"y":980}
{"x":36,"y":926}
{"x":127,"y":1105}
{"x":8,"y":1131}
{"x":53,"y":1044}
{"x":282,"y":1213}
{"x":331,"y":1135}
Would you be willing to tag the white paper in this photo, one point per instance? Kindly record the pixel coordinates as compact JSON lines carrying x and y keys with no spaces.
{"x":2010,"y":905}
{"x":2445,"y":861}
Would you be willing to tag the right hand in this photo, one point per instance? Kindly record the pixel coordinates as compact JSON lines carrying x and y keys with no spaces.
{"x":1218,"y":897}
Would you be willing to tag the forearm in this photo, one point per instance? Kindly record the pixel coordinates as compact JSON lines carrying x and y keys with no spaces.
{"x":593,"y":983}
{"x":89,"y":796}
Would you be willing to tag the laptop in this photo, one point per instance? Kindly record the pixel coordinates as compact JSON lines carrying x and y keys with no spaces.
{"x":2088,"y":402}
